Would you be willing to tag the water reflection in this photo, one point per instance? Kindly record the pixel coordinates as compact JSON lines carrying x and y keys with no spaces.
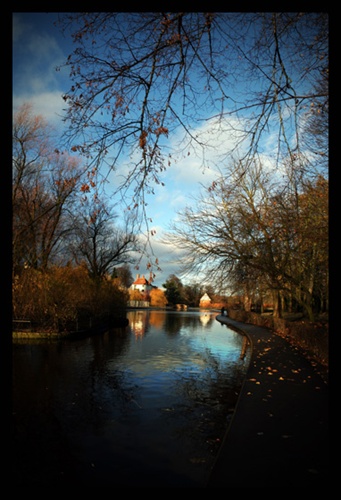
{"x":171,"y":322}
{"x":143,"y":406}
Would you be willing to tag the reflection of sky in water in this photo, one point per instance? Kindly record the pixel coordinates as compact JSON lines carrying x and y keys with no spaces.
{"x":195,"y":341}
{"x":171,"y":357}
{"x":221,"y":341}
{"x":140,"y":404}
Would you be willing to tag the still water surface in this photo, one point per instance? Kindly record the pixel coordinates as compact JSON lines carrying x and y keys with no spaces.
{"x":144,"y":406}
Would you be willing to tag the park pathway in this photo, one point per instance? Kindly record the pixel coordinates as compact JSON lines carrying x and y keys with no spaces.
{"x":278,"y":436}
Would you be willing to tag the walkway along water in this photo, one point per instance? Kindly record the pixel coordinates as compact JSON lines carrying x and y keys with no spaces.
{"x":278,"y":436}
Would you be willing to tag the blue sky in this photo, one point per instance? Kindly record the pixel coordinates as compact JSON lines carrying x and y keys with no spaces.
{"x":38,"y":48}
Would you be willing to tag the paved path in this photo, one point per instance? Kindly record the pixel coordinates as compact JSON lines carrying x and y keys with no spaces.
{"x":278,"y":437}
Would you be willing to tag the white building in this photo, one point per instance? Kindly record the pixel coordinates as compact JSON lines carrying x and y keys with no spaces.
{"x":205,"y":301}
{"x":142,"y":284}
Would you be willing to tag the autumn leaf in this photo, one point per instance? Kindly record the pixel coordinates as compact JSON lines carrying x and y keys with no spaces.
{"x":161,"y":130}
{"x":143,"y":140}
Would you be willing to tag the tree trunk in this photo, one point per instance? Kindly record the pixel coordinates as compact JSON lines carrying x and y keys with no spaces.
{"x":247,"y":302}
{"x":277,"y":305}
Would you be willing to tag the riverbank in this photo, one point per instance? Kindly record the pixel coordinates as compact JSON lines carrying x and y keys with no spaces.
{"x":312,"y":337}
{"x":51,"y":335}
{"x":278,"y":436}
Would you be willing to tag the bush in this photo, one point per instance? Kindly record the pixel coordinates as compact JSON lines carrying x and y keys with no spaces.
{"x":65,"y":298}
{"x":158,"y":298}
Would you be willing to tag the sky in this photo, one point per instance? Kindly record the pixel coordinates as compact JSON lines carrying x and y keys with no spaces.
{"x":38,"y":48}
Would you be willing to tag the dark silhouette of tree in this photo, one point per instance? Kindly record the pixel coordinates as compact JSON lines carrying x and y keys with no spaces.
{"x":192,"y":294}
{"x":123,"y":275}
{"x":100,"y":243}
{"x":174,"y":289}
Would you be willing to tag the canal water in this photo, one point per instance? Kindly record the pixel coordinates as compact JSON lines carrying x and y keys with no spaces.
{"x":143,"y":406}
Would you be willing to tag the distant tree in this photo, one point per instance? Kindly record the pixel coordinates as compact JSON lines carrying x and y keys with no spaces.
{"x":100,"y":243}
{"x":192,"y":294}
{"x":157,"y":298}
{"x":136,"y":295}
{"x":123,"y":275}
{"x":174,"y":290}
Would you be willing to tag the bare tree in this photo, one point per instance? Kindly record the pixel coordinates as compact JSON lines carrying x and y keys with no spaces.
{"x":45,"y":184}
{"x":100,"y":243}
{"x":139,"y":77}
{"x":123,"y":275}
{"x":258,"y":234}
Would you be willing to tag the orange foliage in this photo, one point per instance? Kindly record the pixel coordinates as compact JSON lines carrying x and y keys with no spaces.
{"x":157,"y":298}
{"x":143,"y":140}
{"x":135,"y":295}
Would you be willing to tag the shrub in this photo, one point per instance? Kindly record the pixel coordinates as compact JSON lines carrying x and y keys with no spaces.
{"x":65,"y":298}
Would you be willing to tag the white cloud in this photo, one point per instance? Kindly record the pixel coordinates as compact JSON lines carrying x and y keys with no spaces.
{"x":36,"y":54}
{"x":48,"y":104}
{"x":183,"y":182}
{"x":201,"y":165}
{"x":187,"y":173}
